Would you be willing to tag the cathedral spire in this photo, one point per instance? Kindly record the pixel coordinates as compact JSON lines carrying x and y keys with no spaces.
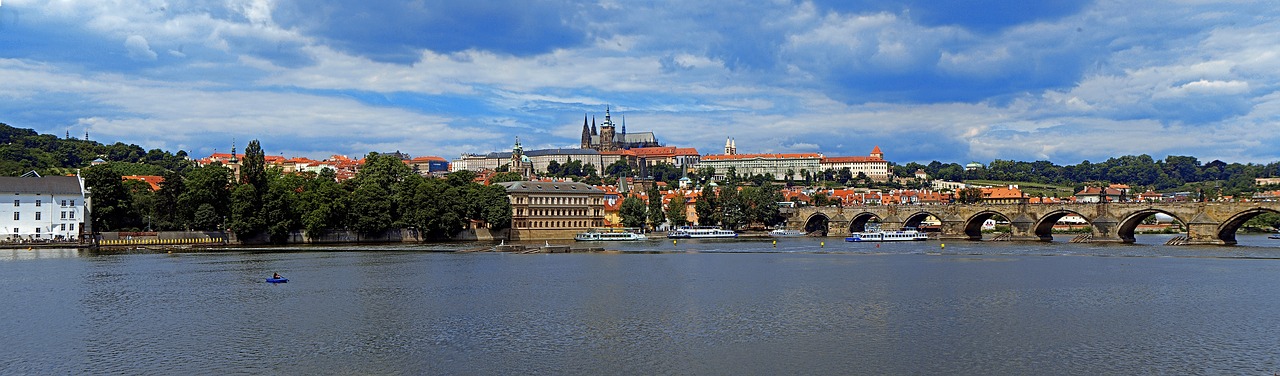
{"x":586,"y":133}
{"x":593,"y":126}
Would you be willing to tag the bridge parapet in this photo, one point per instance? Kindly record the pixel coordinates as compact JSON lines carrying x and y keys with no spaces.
{"x":1206,"y":223}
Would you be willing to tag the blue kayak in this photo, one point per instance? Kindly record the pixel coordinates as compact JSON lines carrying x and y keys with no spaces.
{"x":277,"y":280}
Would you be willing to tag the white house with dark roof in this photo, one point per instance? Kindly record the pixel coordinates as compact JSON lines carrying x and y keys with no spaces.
{"x":39,"y":208}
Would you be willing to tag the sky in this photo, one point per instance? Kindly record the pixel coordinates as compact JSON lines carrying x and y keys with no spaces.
{"x":952,"y":81}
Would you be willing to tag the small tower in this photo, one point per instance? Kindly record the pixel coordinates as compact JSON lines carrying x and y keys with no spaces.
{"x":730,"y":147}
{"x":875,"y":153}
{"x":234,"y":163}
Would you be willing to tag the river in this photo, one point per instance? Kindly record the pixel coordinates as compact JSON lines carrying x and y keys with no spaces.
{"x":807,"y":306}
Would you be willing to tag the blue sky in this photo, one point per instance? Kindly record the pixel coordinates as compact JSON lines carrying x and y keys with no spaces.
{"x":925,"y":80}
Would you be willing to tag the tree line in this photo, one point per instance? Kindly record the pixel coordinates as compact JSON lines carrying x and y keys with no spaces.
{"x":731,"y":207}
{"x":385,"y":194}
{"x":1171,"y":173}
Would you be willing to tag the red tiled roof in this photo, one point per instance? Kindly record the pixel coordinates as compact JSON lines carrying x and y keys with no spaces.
{"x":152,"y":180}
{"x":854,"y":159}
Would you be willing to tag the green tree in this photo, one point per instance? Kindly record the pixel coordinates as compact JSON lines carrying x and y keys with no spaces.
{"x":676,"y":210}
{"x":618,"y":168}
{"x":253,"y":168}
{"x":207,"y":191}
{"x":733,"y":213}
{"x":656,"y":215}
{"x":112,"y":206}
{"x":503,"y":177}
{"x":281,"y":205}
{"x":632,"y":212}
{"x":969,"y":195}
{"x":323,"y":204}
{"x":245,"y":205}
{"x":706,"y":207}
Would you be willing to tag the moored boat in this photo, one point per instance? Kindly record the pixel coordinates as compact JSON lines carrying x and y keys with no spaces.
{"x":610,"y":234}
{"x":700,"y":232}
{"x":874,"y":234}
{"x":1274,"y":236}
{"x":784,"y":233}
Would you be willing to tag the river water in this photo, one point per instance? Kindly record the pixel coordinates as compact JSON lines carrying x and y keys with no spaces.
{"x":807,"y":306}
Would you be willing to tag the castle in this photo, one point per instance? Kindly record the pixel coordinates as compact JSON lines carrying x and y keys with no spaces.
{"x":607,"y":138}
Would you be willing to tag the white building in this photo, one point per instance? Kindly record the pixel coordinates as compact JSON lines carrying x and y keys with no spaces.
{"x":43,"y":208}
{"x":760,"y":164}
{"x":873,"y":165}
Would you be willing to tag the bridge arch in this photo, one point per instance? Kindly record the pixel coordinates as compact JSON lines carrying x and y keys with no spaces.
{"x":914,"y":220}
{"x":1227,"y":231}
{"x":818,"y":222}
{"x":1131,"y":222}
{"x":1044,"y":228}
{"x":858,"y":222}
{"x":973,"y":225}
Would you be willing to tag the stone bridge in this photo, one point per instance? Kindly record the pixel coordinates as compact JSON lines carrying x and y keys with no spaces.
{"x":1205,"y":222}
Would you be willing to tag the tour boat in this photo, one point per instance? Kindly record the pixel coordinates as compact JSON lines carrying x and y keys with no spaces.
{"x":700,"y":232}
{"x":783,"y":233}
{"x":874,"y":234}
{"x":610,"y":234}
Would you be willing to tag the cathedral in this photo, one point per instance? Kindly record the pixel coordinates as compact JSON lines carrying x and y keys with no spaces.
{"x":608,"y":139}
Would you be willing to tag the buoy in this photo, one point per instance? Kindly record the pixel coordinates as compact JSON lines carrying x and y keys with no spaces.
{"x":775,"y":244}
{"x":877,"y":245}
{"x":822,"y":244}
{"x":673,"y":242}
{"x":944,"y":245}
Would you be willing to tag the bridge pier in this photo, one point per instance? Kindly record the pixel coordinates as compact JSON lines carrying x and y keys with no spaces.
{"x":1205,"y":232}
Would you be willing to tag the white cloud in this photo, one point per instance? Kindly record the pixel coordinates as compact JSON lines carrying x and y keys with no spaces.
{"x":138,"y":48}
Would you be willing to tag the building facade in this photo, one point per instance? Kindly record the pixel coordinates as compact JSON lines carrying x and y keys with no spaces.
{"x":43,"y":208}
{"x":873,"y":165}
{"x":553,"y":210}
{"x":761,"y":164}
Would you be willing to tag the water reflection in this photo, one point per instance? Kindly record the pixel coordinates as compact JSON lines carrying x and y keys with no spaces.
{"x":718,"y":307}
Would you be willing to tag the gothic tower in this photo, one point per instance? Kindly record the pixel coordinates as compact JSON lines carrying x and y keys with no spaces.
{"x":586,"y":133}
{"x":607,"y":133}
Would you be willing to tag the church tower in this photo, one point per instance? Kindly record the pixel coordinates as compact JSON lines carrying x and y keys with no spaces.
{"x":519,"y":162}
{"x":730,"y":147}
{"x":607,"y":133}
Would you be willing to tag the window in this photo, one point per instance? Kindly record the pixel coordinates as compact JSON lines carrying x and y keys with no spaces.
{"x":16,"y":216}
{"x":73,"y":214}
{"x":37,"y":232}
{"x":37,"y":215}
{"x":64,"y":215}
{"x":73,"y":203}
{"x":64,"y":202}
{"x":37,"y":203}
{"x":72,"y":227}
{"x":64,"y":227}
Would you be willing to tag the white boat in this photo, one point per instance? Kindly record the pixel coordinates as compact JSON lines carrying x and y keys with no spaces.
{"x":610,"y":234}
{"x":874,"y":234}
{"x":700,"y":232}
{"x":783,"y":233}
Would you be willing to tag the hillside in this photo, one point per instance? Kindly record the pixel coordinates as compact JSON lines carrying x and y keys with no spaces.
{"x":23,"y":150}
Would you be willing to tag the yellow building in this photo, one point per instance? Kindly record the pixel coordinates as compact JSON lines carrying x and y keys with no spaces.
{"x":553,"y":210}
